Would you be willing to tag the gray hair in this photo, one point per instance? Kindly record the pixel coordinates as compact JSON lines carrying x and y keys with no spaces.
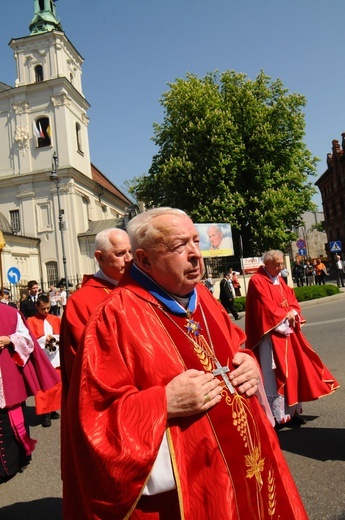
{"x":142,"y":231}
{"x":271,"y":255}
{"x":102,"y":240}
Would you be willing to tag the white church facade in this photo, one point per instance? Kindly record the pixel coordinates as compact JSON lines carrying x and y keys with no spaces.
{"x":45,"y":115}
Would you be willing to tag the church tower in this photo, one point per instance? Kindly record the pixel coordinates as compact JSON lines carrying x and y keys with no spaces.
{"x":48,"y":110}
{"x":44,"y":128}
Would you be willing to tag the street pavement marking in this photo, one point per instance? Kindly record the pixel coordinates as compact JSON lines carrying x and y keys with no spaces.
{"x":322,"y":322}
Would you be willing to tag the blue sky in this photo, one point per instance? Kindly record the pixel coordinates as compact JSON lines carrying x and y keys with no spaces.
{"x":132,"y":49}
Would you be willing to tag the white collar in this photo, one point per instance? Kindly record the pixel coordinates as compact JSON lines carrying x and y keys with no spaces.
{"x":103,"y":276}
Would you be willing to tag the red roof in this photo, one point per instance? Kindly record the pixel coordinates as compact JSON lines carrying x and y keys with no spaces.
{"x":98,"y":177}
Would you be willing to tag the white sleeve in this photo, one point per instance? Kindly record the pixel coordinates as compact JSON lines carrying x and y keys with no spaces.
{"x":21,"y":340}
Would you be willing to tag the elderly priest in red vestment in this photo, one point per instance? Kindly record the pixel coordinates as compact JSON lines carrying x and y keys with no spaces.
{"x":112,"y":252}
{"x":292,"y":371}
{"x":162,"y":415}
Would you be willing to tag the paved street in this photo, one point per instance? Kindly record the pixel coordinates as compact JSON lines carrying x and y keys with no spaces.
{"x":315,"y":453}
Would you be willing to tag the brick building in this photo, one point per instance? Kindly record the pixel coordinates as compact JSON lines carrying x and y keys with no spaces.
{"x":332,"y":188}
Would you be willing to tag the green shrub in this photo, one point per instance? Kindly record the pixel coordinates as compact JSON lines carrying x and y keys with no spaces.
{"x":314,"y":292}
{"x":240,"y":304}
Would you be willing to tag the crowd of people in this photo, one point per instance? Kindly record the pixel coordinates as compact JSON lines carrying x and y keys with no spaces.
{"x":315,"y":272}
{"x":164,"y":400}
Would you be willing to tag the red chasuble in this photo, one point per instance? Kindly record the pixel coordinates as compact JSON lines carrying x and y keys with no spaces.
{"x":80,"y":306}
{"x":301,"y":375}
{"x":227,"y":463}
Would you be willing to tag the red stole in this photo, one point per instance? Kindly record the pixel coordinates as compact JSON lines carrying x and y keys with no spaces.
{"x":262,"y":484}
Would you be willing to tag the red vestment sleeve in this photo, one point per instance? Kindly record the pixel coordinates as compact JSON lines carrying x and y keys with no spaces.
{"x":121,"y":416}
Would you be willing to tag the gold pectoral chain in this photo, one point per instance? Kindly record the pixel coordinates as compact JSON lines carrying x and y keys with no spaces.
{"x":284,"y":302}
{"x":208,"y":352}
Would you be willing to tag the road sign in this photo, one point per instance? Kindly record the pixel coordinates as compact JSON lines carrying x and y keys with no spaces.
{"x":302,"y":251}
{"x":300,"y":243}
{"x":13,"y":275}
{"x":335,"y":247}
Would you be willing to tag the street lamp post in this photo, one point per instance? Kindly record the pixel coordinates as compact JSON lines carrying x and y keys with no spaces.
{"x":242,"y":265}
{"x":55,"y":178}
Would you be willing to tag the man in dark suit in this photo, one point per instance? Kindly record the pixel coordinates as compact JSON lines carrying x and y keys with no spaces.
{"x":226,"y":297}
{"x":28,"y":306}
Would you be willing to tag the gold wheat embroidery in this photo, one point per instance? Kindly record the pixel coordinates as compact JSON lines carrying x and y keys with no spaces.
{"x":272,"y":498}
{"x":204,"y":359}
{"x":255,"y":465}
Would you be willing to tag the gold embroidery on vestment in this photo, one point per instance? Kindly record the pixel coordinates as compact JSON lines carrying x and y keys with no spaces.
{"x":248,"y":431}
{"x":272,"y":494}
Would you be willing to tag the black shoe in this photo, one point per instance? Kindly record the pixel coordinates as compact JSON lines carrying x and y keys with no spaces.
{"x":279,"y":426}
{"x":295,"y":422}
{"x":46,"y":422}
{"x":238,"y":318}
{"x":55,"y":415}
{"x":298,"y":420}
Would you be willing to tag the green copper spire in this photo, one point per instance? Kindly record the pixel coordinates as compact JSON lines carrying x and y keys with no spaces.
{"x":44,"y":19}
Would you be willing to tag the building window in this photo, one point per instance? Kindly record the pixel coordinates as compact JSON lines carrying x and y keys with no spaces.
{"x":78,"y":135}
{"x":38,"y":73}
{"x":15,"y":221}
{"x":52,"y":273}
{"x":42,"y":132}
{"x":42,"y":7}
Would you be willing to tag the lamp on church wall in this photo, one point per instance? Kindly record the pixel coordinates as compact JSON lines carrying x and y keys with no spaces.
{"x":55,"y":178}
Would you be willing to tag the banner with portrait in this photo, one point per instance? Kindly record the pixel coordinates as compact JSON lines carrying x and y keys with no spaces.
{"x":215,"y":240}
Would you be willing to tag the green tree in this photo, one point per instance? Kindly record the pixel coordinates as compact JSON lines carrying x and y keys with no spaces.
{"x":317,"y":227}
{"x":231,"y":150}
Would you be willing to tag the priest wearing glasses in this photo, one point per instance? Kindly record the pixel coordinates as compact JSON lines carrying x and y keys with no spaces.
{"x":163,"y":415}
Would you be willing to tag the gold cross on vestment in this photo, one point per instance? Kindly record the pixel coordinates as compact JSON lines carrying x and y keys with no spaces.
{"x":222,"y":372}
{"x":285,"y":303}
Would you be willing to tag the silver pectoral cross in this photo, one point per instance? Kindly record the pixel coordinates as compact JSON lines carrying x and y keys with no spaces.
{"x":222,"y":371}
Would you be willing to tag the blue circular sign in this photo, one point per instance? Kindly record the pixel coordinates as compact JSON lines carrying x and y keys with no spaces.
{"x":300,"y":243}
{"x":13,"y":275}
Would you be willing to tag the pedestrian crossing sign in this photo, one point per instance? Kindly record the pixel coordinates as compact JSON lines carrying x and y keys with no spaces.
{"x":335,"y":247}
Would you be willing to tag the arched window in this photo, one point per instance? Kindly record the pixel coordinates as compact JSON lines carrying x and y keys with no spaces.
{"x":42,"y":6}
{"x":78,"y":135}
{"x":42,"y":132}
{"x":38,"y":73}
